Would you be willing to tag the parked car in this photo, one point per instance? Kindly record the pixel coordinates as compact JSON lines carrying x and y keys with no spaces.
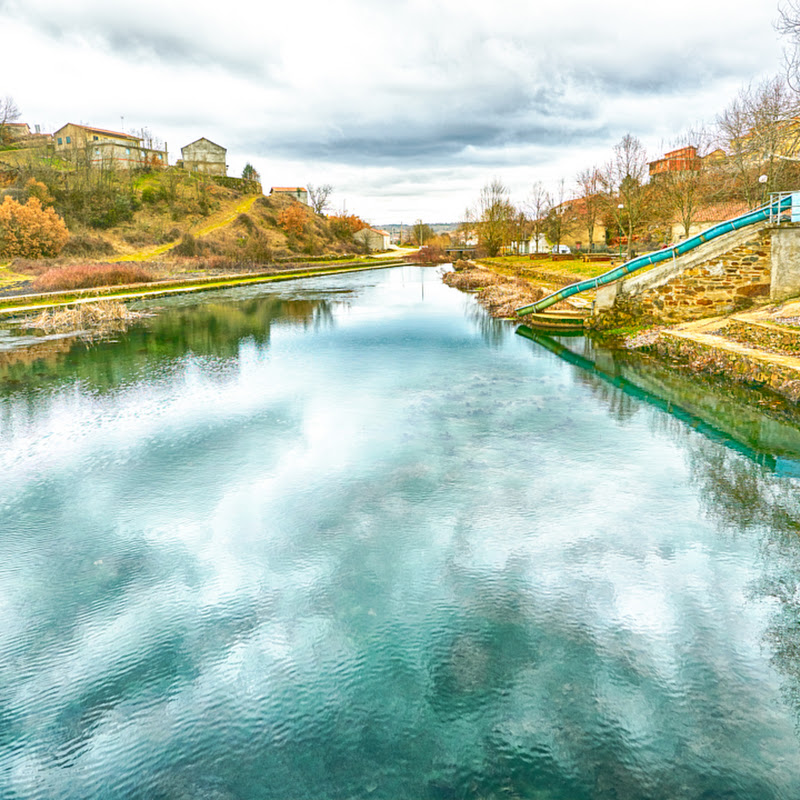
{"x":560,"y":248}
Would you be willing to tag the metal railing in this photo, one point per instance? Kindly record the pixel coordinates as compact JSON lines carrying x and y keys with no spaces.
{"x":783,"y":209}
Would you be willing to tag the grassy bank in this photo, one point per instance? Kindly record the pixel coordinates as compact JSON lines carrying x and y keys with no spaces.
{"x":30,"y":302}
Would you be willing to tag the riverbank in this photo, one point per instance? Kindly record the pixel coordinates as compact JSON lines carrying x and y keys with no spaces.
{"x":759,"y":349}
{"x":501,"y":294}
{"x":24,"y":303}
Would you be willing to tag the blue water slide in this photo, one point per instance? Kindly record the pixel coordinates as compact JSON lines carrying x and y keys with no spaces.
{"x":771,"y":210}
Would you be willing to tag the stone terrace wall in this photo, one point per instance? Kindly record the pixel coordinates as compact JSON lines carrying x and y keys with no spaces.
{"x":726,"y":282}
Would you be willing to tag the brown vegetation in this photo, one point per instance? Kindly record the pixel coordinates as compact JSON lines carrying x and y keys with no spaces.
{"x":85,"y":276}
{"x":500,"y":296}
{"x":30,"y":231}
{"x":101,"y":317}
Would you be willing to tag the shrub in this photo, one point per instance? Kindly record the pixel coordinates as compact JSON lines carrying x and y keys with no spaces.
{"x":293,"y":219}
{"x":82,"y":245}
{"x":343,"y":226}
{"x":152,"y":195}
{"x":429,"y":255}
{"x":170,"y":236}
{"x":86,"y":276}
{"x":30,"y":231}
{"x":109,"y":211}
{"x":186,"y":247}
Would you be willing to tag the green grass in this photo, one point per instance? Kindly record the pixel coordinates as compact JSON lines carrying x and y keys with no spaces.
{"x":518,"y":265}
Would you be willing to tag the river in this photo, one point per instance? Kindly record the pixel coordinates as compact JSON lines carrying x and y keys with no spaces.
{"x":351,"y":538}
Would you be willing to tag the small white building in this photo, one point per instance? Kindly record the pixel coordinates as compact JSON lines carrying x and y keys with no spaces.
{"x":373,"y":238}
{"x":527,"y":246}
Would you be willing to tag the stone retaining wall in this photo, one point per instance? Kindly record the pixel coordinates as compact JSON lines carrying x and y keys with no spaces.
{"x":770,"y":337}
{"x":702,"y":358}
{"x":725,"y":283}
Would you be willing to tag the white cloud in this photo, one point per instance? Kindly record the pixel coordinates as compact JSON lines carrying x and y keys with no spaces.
{"x":363,"y":96}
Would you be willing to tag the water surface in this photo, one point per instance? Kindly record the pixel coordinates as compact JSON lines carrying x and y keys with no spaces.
{"x":351,"y":538}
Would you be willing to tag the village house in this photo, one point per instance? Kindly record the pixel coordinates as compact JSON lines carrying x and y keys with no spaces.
{"x":683,"y":159}
{"x":707,"y":216}
{"x":205,"y":157}
{"x":106,"y":149}
{"x":297,"y":192}
{"x":373,"y":238}
{"x":525,"y":247}
{"x":21,"y":135}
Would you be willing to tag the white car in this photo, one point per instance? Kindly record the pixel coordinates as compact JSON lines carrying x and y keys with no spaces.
{"x":560,"y":248}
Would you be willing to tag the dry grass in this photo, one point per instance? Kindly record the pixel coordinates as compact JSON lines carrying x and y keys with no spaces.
{"x":501,"y":296}
{"x":95,"y":318}
{"x":87,"y":276}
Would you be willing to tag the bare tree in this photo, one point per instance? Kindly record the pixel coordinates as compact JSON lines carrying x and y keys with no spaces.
{"x":678,"y":194}
{"x":626,"y":193}
{"x":758,"y":133}
{"x":590,"y":191}
{"x":319,"y":196}
{"x":560,"y":217}
{"x":538,"y":205}
{"x":149,"y":139}
{"x":495,"y":213}
{"x":466,"y":228}
{"x":789,"y":26}
{"x":9,"y":112}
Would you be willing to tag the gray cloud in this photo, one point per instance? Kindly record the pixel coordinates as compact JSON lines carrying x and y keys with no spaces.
{"x":365,"y":90}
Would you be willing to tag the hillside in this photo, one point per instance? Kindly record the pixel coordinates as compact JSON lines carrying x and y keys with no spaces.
{"x":170,"y":221}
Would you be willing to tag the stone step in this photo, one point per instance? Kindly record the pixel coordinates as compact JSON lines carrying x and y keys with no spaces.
{"x":762,"y":335}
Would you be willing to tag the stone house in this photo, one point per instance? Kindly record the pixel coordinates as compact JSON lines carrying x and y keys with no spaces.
{"x":106,"y":149}
{"x":297,"y":192}
{"x":205,"y":157}
{"x":373,"y":238}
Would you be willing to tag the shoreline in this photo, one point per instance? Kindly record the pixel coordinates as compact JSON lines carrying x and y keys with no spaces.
{"x":754,"y":349}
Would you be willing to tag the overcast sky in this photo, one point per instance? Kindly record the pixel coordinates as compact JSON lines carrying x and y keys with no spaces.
{"x":406,"y":108}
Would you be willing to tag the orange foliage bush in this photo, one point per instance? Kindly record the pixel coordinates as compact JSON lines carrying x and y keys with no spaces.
{"x":293,"y":219}
{"x":40,"y":191}
{"x":347,"y":222}
{"x":30,"y":231}
{"x":85,"y":276}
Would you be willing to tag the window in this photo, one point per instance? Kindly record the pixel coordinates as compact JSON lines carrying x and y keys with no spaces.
{"x":97,"y":151}
{"x":95,"y":138}
{"x":59,"y":140}
{"x":127,"y":151}
{"x":69,"y":140}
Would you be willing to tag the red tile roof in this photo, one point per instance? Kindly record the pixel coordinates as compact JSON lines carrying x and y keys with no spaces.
{"x":719,"y":212}
{"x":287,"y":189}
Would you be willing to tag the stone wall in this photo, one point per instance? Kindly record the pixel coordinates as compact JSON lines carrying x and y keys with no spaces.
{"x":773,"y":338}
{"x":702,"y":358}
{"x":676,"y":292}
